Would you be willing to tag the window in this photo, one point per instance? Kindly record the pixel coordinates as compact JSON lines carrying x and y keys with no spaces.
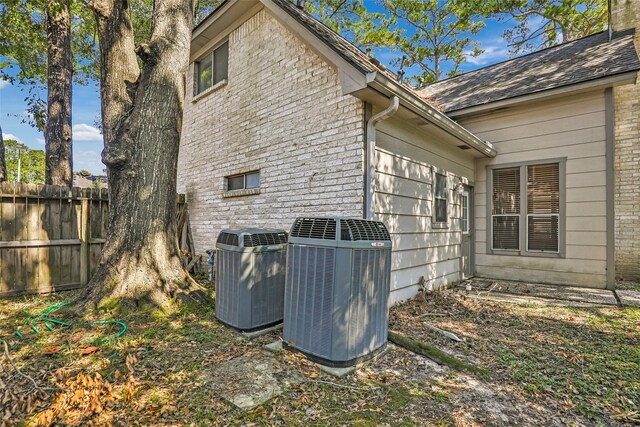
{"x":212,"y":68}
{"x":441,"y":198}
{"x":526,"y":204}
{"x":243,"y":181}
{"x":465,"y":212}
{"x":543,"y":207}
{"x":506,"y":209}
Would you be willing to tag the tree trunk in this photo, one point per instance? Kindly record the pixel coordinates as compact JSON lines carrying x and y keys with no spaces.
{"x":142,"y":122}
{"x":3,"y":164}
{"x":57,"y":132}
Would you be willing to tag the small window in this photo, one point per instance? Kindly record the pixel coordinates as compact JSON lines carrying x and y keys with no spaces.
{"x":465,"y":212}
{"x":243,"y":181}
{"x":212,"y":68}
{"x":441,"y":198}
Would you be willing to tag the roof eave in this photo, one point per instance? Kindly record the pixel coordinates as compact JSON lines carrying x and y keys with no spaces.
{"x":601,"y":83}
{"x":413,"y":102}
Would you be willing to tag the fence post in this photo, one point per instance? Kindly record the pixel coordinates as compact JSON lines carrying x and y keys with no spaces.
{"x":84,"y":239}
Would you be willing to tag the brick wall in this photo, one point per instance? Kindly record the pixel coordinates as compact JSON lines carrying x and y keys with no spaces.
{"x":626,"y":14}
{"x":282,"y":112}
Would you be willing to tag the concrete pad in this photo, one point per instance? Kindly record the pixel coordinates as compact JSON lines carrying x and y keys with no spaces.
{"x":629,"y":298}
{"x":556,"y":292}
{"x":274,"y":347}
{"x":250,"y":381}
{"x":336,"y":372}
{"x":341,"y":372}
{"x":260,"y":332}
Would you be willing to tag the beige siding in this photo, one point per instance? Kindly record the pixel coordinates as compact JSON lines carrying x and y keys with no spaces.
{"x":571,"y":127}
{"x":405,"y":158}
{"x":282,"y":112}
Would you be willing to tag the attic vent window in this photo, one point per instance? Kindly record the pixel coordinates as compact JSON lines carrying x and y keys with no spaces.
{"x":212,"y":68}
{"x":243,"y":181}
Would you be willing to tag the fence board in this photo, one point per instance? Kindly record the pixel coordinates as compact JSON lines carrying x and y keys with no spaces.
{"x":51,"y":238}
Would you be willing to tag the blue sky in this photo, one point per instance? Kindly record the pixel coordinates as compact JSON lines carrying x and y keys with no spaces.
{"x":87,"y":141}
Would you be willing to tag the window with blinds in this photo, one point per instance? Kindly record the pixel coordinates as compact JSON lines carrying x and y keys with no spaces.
{"x":441,"y":198}
{"x":543,"y":207}
{"x":505,"y":215}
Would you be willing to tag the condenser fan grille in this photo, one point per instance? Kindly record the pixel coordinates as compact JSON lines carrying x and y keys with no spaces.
{"x":314,"y":228}
{"x":265,"y":239}
{"x":228,"y":239}
{"x":358,"y":229}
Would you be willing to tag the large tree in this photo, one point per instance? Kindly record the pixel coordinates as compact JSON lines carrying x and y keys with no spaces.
{"x":142,"y":121}
{"x":57,"y":131}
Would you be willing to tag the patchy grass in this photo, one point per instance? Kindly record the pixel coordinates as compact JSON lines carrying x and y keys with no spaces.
{"x":548,"y":366}
{"x":582,"y":361}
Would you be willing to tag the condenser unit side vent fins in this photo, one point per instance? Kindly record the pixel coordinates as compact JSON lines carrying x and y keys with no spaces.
{"x":357,"y":229}
{"x":314,"y":228}
{"x":228,"y":239}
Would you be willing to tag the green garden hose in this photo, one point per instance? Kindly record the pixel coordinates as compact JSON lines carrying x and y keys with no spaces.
{"x":50,"y":322}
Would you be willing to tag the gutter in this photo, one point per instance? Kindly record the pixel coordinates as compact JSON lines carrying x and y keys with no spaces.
{"x":412,"y":101}
{"x":370,"y":170}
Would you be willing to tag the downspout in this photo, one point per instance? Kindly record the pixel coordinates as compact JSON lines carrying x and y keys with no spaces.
{"x":371,"y":152}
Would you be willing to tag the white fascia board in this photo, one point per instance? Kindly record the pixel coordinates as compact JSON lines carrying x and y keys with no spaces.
{"x":413,"y":102}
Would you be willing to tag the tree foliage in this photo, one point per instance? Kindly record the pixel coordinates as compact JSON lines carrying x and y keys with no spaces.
{"x":3,"y":165}
{"x":31,"y":162}
{"x":434,"y":35}
{"x":545,"y":23}
{"x":352,"y":20}
{"x":23,"y":42}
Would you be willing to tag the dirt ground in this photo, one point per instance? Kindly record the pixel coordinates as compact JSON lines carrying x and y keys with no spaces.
{"x":547,"y":366}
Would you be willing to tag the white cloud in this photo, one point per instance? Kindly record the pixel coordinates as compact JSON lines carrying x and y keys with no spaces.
{"x":40,"y":141}
{"x":87,"y":133}
{"x":491,"y":55}
{"x":6,"y":136}
{"x":4,"y":83}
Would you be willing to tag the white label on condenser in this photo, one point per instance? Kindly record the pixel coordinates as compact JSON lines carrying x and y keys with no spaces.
{"x":377,"y":244}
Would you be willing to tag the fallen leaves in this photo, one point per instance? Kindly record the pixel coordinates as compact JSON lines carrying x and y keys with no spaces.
{"x":89,"y":350}
{"x":51,"y":350}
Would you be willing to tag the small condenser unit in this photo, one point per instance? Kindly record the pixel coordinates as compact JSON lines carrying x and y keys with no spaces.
{"x":337,"y":291}
{"x":250,"y":278}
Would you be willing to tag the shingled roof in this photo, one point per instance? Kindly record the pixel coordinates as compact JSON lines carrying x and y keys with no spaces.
{"x":590,"y":58}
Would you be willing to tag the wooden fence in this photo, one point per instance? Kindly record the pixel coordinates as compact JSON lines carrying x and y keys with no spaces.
{"x":50,"y":237}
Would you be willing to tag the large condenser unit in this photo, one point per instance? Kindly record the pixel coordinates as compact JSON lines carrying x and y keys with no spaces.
{"x":337,"y":291}
{"x":250,"y":277}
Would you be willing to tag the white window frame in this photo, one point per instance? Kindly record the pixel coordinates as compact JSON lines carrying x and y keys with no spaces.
{"x":434,"y":223}
{"x":523,"y":215}
{"x":467,"y":210}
